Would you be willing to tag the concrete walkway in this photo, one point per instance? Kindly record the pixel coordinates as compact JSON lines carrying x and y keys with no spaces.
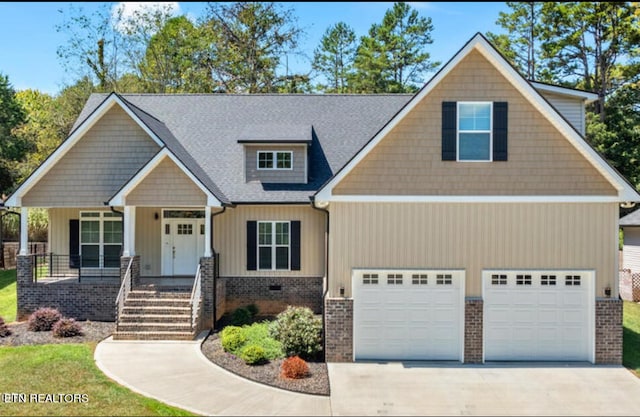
{"x":178,"y":374}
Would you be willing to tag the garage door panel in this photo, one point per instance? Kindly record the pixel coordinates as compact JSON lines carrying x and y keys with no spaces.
{"x":538,"y":322}
{"x":412,"y":321}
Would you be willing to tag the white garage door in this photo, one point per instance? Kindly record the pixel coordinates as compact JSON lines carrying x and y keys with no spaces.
{"x":538,"y":315}
{"x":408,"y":315}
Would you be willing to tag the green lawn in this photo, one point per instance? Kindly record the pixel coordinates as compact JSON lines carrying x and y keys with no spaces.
{"x":631,"y":337}
{"x":67,"y":369}
{"x":8,"y":303}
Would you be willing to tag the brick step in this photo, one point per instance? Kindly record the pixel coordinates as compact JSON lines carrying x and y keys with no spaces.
{"x":167,"y":335}
{"x":157,"y":302}
{"x":158,"y":294}
{"x":156,"y":310}
{"x":155,"y":318}
{"x":183,"y":326}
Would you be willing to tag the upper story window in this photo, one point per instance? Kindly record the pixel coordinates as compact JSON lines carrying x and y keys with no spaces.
{"x":275,"y":160}
{"x":474,"y":131}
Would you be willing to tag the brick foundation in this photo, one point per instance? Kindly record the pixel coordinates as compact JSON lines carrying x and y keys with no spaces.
{"x":473,"y":330}
{"x":273,"y":294}
{"x":608,"y":331}
{"x":338,"y":328}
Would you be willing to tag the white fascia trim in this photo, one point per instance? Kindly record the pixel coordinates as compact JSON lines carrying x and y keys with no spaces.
{"x":470,"y":199}
{"x":583,"y":95}
{"x":119,"y":198}
{"x":625,"y":191}
{"x":16,"y":198}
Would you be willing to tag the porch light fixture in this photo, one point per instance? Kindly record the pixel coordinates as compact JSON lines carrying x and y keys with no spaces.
{"x":607,"y":291}
{"x":341,"y":291}
{"x":155,"y":215}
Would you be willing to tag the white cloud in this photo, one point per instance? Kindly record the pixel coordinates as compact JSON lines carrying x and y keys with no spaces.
{"x":126,"y":11}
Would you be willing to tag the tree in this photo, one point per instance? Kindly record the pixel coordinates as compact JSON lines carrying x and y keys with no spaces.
{"x":40,"y":131}
{"x":249,"y":41}
{"x":586,"y":44}
{"x":12,"y":147}
{"x":334,"y":57}
{"x":519,"y":45}
{"x":171,"y":62}
{"x":393,"y":57}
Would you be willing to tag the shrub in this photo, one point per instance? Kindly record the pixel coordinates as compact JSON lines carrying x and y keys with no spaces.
{"x":66,"y":327}
{"x":294,"y":368}
{"x":299,"y":331}
{"x":253,"y":355}
{"x":240,"y":317}
{"x":232,"y":339}
{"x":43,"y":319}
{"x":258,"y":334}
{"x":4,"y":329}
{"x":253,"y":309}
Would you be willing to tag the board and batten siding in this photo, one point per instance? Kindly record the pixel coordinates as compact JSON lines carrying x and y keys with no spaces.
{"x":166,"y":185}
{"x":230,"y":238}
{"x":95,"y":168}
{"x":296,"y":175}
{"x":473,"y":237}
{"x":571,"y":108}
{"x":631,"y":249}
{"x":408,"y":161}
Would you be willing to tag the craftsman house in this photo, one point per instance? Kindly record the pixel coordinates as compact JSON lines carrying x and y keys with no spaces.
{"x":468,"y":222}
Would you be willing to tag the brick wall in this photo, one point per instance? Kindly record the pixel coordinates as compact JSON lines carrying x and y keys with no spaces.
{"x":273,"y":294}
{"x":473,"y":330}
{"x":608,"y":331}
{"x":338,"y":327}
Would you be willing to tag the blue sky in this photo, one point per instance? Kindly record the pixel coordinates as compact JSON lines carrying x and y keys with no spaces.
{"x":29,"y":39}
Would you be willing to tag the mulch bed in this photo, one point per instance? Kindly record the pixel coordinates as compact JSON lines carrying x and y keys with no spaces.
{"x":316,"y":383}
{"x":92,"y":331}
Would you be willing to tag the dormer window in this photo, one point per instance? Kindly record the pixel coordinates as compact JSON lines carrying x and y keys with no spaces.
{"x":275,"y":160}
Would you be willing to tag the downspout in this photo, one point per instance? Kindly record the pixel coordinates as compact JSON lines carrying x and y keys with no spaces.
{"x":326,"y":269}
{"x":215,"y":266}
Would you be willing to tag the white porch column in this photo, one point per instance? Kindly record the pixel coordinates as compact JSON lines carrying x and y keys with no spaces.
{"x":129,"y":237}
{"x":207,"y":232}
{"x":24,"y":231}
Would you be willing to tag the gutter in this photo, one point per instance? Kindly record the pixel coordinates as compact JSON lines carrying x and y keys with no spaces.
{"x":326,"y":268}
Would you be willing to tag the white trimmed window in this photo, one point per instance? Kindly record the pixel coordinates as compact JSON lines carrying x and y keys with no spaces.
{"x":100,"y":239}
{"x":474,"y":131}
{"x":274,"y":245}
{"x":275,"y":160}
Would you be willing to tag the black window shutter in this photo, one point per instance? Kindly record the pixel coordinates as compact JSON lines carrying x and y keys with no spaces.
{"x":500,"y":122}
{"x":252,"y":236}
{"x":449,"y":123}
{"x":295,"y":245}
{"x":74,"y":243}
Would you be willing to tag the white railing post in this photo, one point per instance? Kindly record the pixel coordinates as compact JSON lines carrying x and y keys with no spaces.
{"x":195,"y":299}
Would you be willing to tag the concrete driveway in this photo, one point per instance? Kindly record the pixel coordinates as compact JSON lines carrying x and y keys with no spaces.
{"x":420,"y":388}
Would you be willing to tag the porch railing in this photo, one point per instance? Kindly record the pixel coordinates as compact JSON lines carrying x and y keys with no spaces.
{"x":125,"y":287}
{"x":196,"y":295}
{"x":54,"y":267}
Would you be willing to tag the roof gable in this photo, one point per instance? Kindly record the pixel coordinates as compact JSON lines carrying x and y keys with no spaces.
{"x":625,"y":192}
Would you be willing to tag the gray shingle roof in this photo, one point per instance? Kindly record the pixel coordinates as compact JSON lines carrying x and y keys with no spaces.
{"x":631,"y":219}
{"x":203,"y":132}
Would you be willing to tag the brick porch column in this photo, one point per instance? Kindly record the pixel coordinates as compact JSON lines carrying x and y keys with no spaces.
{"x":207,"y":276}
{"x":135,"y":268}
{"x":24,"y":278}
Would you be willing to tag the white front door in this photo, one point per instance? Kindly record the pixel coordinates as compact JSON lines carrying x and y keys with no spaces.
{"x":182,"y":245}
